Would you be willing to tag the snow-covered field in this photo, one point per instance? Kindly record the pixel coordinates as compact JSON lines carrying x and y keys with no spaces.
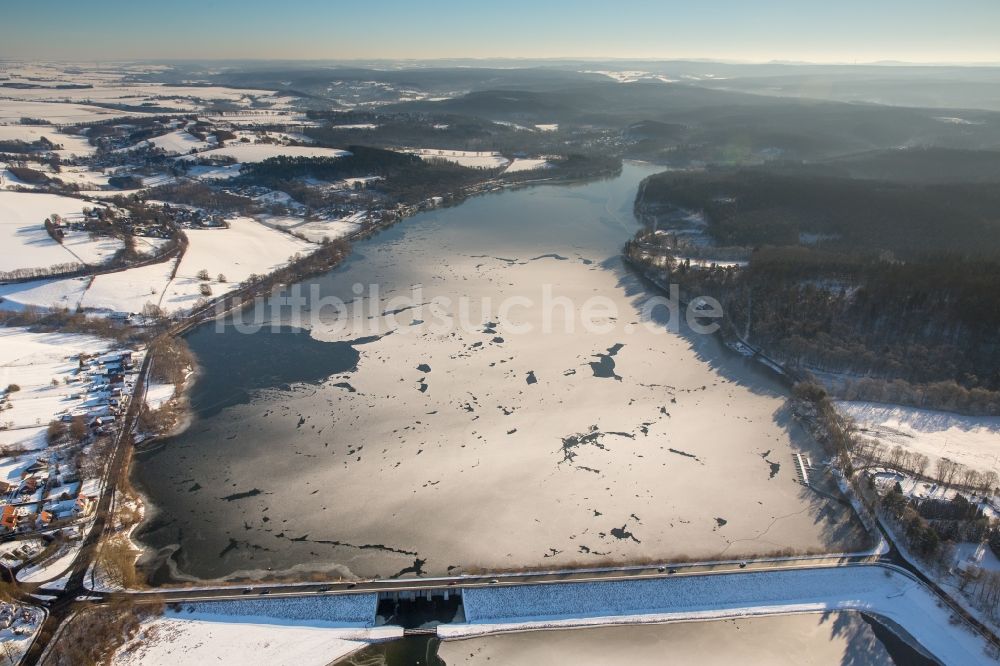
{"x":973,"y":441}
{"x":785,"y":640}
{"x":177,"y":641}
{"x":24,"y":243}
{"x":43,"y":293}
{"x":72,"y":144}
{"x":258,"y":152}
{"x":215,"y":172}
{"x":32,"y":361}
{"x":317,"y":230}
{"x":467,"y":158}
{"x":524,"y":164}
{"x":82,"y":176}
{"x":246,"y":248}
{"x":58,"y":113}
{"x":130,"y":290}
{"x":178,"y":142}
{"x":872,"y":589}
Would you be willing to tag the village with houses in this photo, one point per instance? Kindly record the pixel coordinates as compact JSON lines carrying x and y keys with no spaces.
{"x":53,"y":477}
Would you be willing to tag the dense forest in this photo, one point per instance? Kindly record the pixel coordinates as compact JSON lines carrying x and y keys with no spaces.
{"x":405,"y":177}
{"x":888,"y":291}
{"x":788,"y":206}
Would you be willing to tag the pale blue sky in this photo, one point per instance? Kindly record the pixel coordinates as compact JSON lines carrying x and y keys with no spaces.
{"x":758,"y":30}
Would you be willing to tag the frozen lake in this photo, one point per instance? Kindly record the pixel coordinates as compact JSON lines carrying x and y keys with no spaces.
{"x":383,"y":442}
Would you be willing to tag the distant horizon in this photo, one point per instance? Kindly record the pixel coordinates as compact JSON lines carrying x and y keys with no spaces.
{"x":962,"y":32}
{"x":521,"y":59}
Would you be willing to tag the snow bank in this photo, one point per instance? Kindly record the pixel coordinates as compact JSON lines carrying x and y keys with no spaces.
{"x":258,"y":152}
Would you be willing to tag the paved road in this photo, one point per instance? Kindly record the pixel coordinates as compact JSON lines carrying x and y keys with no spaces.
{"x":466,"y":581}
{"x":60,"y":607}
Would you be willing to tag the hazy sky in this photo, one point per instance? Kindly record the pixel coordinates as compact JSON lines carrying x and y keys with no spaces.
{"x":758,"y":30}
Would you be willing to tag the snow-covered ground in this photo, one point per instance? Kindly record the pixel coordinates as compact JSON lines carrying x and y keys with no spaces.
{"x":53,"y":293}
{"x":85,"y":178}
{"x":24,"y":243}
{"x":58,"y":113}
{"x":355,"y":126}
{"x":178,"y":142}
{"x":215,"y":172}
{"x":51,"y":568}
{"x":633,"y":75}
{"x":130,"y":290}
{"x":157,"y":394}
{"x":25,"y":623}
{"x":973,"y":441}
{"x":247,"y":247}
{"x":467,"y":158}
{"x":872,"y":589}
{"x":258,"y":152}
{"x":706,"y":263}
{"x":72,"y":144}
{"x":177,"y":641}
{"x":317,"y":230}
{"x":32,"y":361}
{"x":297,"y":631}
{"x":524,"y":164}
